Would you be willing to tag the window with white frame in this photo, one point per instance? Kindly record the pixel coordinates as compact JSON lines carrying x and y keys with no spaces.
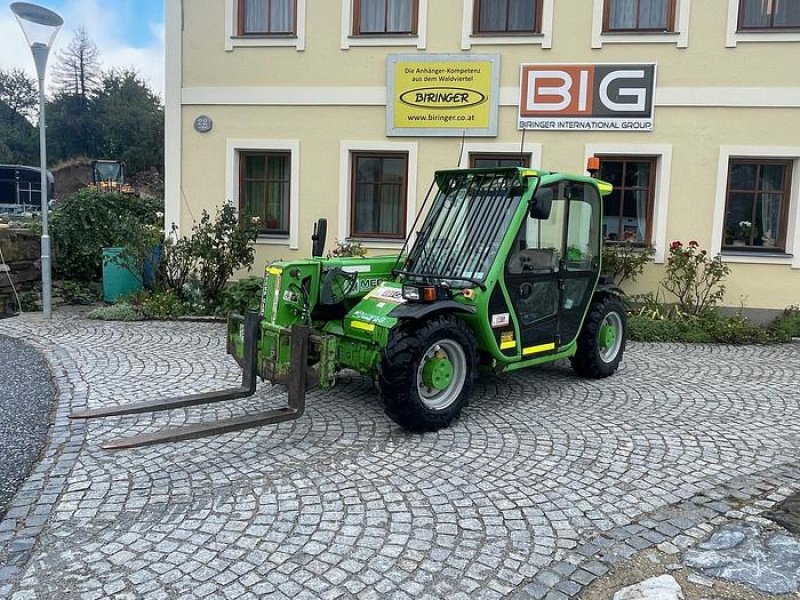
{"x":267,"y":17}
{"x":507,"y":22}
{"x":262,"y":178}
{"x":265,"y":23}
{"x":264,"y":189}
{"x":769,"y":15}
{"x":640,"y":22}
{"x":637,"y":210}
{"x":501,"y":17}
{"x":639,"y":15}
{"x":762,"y":21}
{"x":757,"y":204}
{"x":384,"y":17}
{"x":496,"y":154}
{"x":377,"y":191}
{"x":628,"y":209}
{"x":378,"y":194}
{"x":384,"y":23}
{"x":482,"y":160}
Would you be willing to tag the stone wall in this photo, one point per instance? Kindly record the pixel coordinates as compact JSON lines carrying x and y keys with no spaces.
{"x":21,"y":250}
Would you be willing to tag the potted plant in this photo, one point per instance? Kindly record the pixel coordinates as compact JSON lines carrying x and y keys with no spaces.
{"x":742,"y":233}
{"x":345,"y":248}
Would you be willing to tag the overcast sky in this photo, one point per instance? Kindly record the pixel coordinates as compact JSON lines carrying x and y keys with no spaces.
{"x":128,"y":33}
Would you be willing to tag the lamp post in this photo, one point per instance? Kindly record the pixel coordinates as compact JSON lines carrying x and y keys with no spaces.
{"x":40,"y":26}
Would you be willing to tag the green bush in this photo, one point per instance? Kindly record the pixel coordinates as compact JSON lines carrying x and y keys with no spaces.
{"x":118,"y":312}
{"x":242,"y":296}
{"x":625,"y":260}
{"x":163,"y":305}
{"x":76,"y":292}
{"x":695,"y":279}
{"x":788,"y":323}
{"x":88,"y":221}
{"x":198,"y":266}
{"x":710,"y":328}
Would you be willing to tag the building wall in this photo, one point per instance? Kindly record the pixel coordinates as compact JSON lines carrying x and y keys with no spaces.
{"x":713,"y":101}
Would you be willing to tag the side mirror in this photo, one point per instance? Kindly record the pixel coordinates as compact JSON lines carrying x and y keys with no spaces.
{"x":542,"y":203}
{"x":318,"y":237}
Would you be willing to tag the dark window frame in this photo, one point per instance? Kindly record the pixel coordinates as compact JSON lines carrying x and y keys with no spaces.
{"x":476,"y":22}
{"x":772,"y":27}
{"x":266,"y":154}
{"x":500,"y":156}
{"x":240,"y":26}
{"x":356,"y":31}
{"x":786,"y":198}
{"x":651,"y":197}
{"x":671,"y":18}
{"x":381,"y":154}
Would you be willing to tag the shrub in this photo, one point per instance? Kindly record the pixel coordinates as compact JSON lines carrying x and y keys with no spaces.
{"x":210,"y":254}
{"x":242,"y":296}
{"x":158,"y":305}
{"x":88,"y":221}
{"x":709,"y":328}
{"x":625,"y":261}
{"x":76,"y":292}
{"x":118,"y":312}
{"x":788,"y":323}
{"x":695,"y":279}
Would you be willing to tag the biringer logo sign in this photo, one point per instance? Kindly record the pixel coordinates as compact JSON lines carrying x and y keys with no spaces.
{"x":607,"y":97}
{"x":442,"y":95}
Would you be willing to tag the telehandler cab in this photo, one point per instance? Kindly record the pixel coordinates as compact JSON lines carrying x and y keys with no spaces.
{"x":504,"y":273}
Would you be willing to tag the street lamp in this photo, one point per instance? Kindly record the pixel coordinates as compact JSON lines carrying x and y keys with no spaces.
{"x":40,"y":26}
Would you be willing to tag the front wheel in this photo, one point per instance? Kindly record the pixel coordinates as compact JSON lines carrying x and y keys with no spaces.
{"x":427,"y":372}
{"x":601,"y":343}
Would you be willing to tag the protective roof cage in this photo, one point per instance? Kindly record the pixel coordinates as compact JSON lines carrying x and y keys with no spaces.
{"x":466,"y":224}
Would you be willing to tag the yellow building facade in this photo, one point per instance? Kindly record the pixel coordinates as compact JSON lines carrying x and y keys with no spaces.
{"x":294,"y":110}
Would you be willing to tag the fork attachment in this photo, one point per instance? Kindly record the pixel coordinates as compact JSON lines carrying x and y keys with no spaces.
{"x":297,"y":391}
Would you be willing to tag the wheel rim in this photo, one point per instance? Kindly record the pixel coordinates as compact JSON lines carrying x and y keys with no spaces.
{"x":441,"y":374}
{"x":610,"y":337}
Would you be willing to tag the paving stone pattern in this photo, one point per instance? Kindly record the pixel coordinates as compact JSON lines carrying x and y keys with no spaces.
{"x":545,"y":483}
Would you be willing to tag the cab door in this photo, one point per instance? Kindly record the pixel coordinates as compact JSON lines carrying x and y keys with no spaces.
{"x":552,"y":268}
{"x":581,"y":263}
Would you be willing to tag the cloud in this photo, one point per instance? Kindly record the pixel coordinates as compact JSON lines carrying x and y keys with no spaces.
{"x":107,"y":24}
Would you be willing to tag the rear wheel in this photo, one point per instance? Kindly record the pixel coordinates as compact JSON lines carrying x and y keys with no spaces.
{"x":601,"y":343}
{"x":427,"y":372}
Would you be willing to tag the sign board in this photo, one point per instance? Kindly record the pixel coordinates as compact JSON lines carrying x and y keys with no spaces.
{"x":442,"y":95}
{"x":600,"y":97}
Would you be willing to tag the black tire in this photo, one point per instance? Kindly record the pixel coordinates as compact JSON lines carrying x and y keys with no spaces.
{"x":406,"y":399}
{"x":597,"y":358}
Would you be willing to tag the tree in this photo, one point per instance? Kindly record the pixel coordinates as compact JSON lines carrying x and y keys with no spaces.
{"x":77,"y":70}
{"x":130,"y":121}
{"x":76,"y":75}
{"x":19,"y":93}
{"x":19,"y":101}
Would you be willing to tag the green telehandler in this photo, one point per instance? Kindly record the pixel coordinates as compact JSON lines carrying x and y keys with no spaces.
{"x":503,"y":273}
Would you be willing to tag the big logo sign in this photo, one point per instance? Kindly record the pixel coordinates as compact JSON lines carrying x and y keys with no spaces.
{"x":593,"y":97}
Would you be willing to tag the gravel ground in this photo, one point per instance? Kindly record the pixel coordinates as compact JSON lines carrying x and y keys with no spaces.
{"x":26,"y":399}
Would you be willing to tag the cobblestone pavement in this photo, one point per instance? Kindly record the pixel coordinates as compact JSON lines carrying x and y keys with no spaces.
{"x":544,"y":485}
